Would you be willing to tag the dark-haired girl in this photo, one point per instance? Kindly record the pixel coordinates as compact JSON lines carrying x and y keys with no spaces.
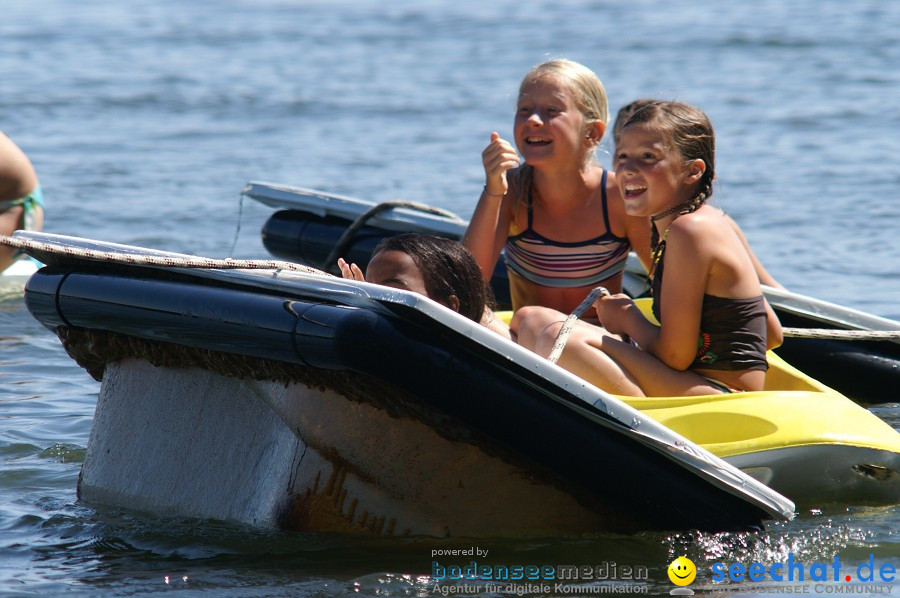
{"x":439,"y":268}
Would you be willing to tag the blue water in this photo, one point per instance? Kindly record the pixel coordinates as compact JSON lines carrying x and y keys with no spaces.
{"x":145,"y":119}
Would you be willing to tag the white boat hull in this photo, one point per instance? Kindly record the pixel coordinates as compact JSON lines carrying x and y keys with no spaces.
{"x":191,"y":442}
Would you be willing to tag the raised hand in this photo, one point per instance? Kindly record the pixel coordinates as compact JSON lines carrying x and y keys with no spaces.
{"x":498,"y":157}
{"x":350,"y":271}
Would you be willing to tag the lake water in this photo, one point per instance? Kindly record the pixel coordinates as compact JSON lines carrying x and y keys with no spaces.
{"x":146,"y":118}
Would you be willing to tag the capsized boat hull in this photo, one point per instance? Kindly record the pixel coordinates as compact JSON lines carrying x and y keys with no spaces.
{"x":301,"y":458}
{"x":358,"y":394}
{"x":310,"y":222}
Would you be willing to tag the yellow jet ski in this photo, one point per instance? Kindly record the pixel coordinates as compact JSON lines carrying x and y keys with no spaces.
{"x":799,"y":437}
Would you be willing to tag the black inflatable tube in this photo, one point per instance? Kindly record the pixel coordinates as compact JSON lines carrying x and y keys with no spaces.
{"x":197,"y":315}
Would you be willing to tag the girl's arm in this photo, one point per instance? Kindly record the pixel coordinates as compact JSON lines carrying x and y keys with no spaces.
{"x":620,"y":315}
{"x":17,"y":175}
{"x":774,"y":334}
{"x":488,"y":230}
{"x":688,"y":257}
{"x":489,"y":227}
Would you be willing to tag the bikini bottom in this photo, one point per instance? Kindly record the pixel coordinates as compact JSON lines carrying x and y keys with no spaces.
{"x":721,"y":385}
{"x":29,"y":202}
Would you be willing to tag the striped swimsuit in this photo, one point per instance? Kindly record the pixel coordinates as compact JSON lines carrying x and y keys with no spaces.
{"x":549,"y":263}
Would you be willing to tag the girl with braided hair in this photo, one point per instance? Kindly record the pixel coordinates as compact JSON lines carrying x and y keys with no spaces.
{"x":715,"y":324}
{"x":621,"y":118}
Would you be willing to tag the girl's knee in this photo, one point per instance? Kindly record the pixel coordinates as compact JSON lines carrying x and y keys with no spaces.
{"x":530,"y":321}
{"x":532,"y":317}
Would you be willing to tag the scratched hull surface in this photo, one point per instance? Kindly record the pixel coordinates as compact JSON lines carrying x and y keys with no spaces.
{"x":199,"y":444}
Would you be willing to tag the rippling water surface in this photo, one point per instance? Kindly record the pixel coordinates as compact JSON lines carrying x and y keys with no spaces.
{"x":145,"y":119}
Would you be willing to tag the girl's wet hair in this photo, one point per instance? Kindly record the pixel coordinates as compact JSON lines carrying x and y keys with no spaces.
{"x":589,"y":95}
{"x":690,"y":132}
{"x":447,"y":269}
{"x":625,"y":113}
{"x":588,"y":91}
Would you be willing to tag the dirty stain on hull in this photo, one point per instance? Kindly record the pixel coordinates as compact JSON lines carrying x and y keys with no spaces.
{"x":187,"y":441}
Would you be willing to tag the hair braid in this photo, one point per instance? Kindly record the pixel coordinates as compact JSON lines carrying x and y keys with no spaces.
{"x":703,"y":193}
{"x":692,"y":205}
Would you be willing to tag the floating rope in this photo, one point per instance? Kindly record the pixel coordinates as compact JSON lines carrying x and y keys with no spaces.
{"x":344,"y":242}
{"x":155,"y":260}
{"x":844,"y":335}
{"x":563,"y":336}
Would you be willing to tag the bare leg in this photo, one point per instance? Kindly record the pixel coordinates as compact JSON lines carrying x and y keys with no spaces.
{"x":584,"y":357}
{"x":537,"y":329}
{"x":604,"y":360}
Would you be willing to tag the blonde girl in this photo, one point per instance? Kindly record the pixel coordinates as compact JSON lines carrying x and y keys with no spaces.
{"x":558,"y":214}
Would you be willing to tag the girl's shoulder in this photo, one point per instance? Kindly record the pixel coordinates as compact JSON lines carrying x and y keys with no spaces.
{"x":518,"y":182}
{"x":703,"y":224}
{"x":702,"y":218}
{"x":703,"y":232}
{"x":612,"y":186}
{"x":514,"y":206}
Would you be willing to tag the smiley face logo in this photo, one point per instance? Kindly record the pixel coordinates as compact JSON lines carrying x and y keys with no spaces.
{"x":682,"y":571}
